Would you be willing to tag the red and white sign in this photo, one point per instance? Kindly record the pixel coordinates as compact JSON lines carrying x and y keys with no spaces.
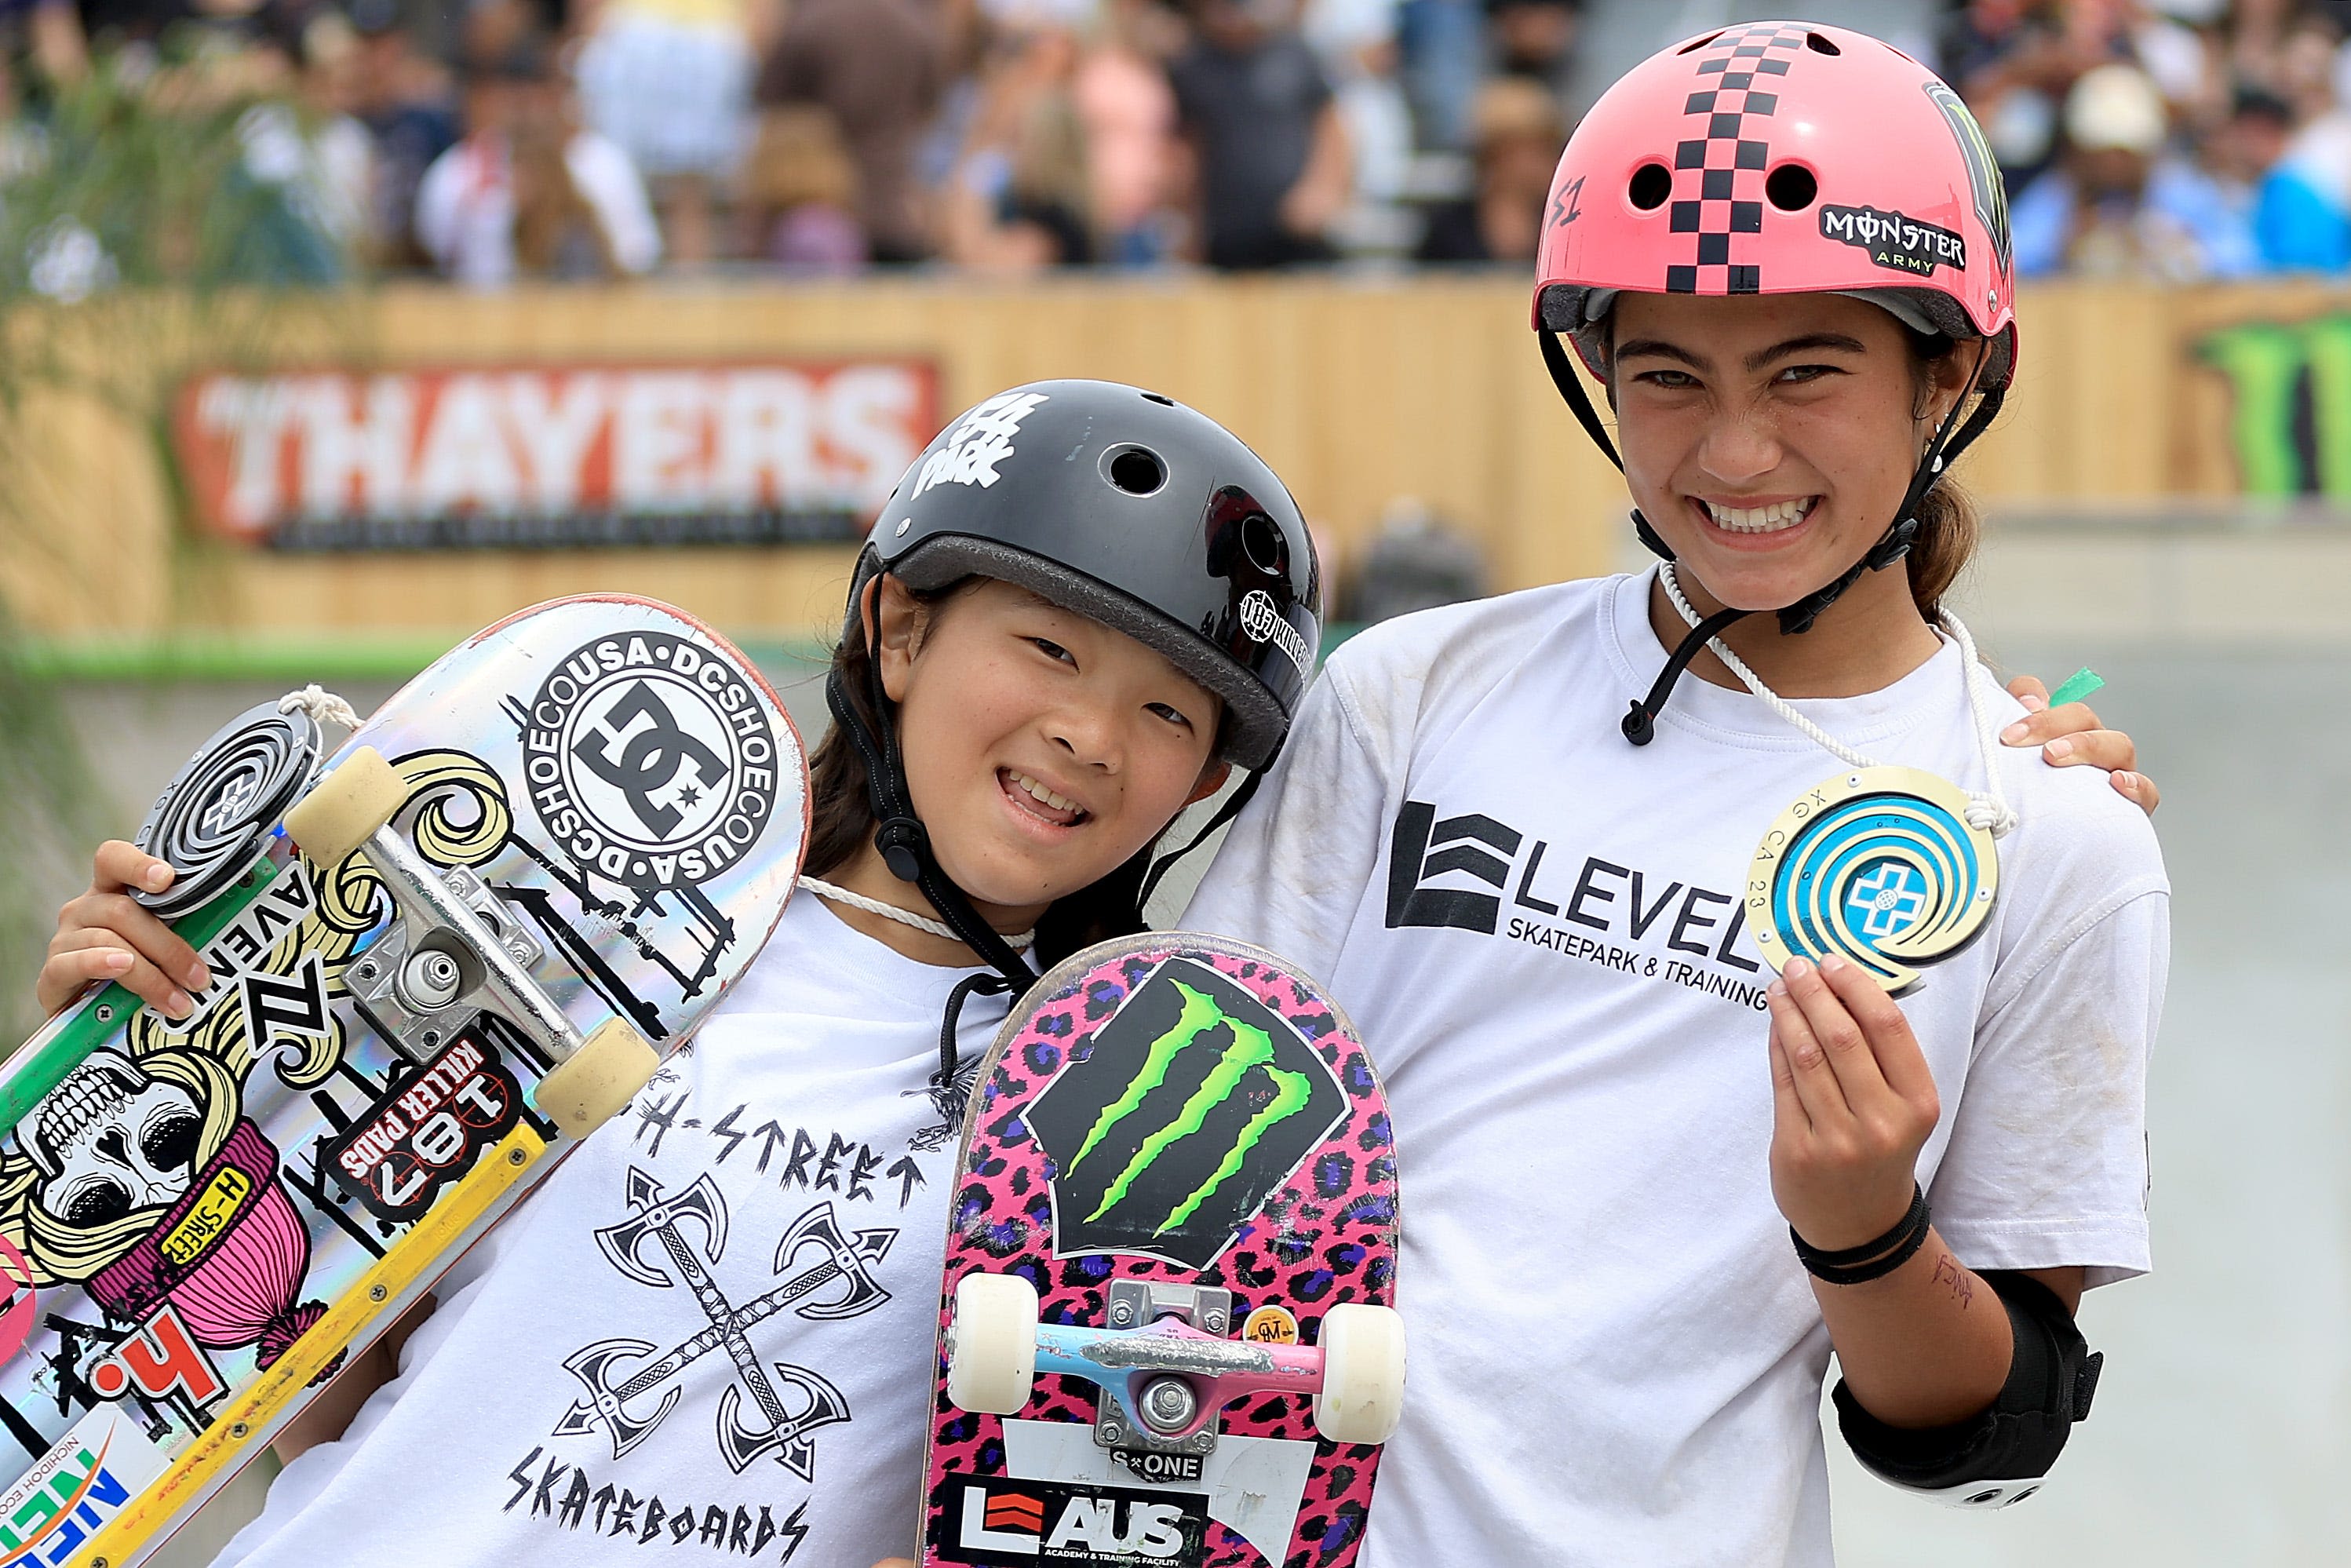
{"x":544,"y":456}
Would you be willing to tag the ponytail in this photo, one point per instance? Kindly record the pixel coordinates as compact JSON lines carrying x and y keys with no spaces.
{"x":1950,"y":527}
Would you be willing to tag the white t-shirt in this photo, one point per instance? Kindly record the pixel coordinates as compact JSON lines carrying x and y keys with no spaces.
{"x":797,"y":1117}
{"x":1616,"y":1356}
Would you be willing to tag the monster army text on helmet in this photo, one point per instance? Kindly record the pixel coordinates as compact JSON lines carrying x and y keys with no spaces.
{"x":1781,"y":158}
{"x":1125,"y":506}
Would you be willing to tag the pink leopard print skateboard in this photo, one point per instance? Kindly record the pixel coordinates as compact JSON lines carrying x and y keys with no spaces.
{"x":1165,"y":1329}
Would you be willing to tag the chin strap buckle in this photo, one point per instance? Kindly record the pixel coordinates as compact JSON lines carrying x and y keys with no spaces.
{"x":905,"y":845}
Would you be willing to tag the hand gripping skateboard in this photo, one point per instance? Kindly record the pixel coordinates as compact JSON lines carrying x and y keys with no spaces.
{"x":1165,"y":1330}
{"x":437,"y":961}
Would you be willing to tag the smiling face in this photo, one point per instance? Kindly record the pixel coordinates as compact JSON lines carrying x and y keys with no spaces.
{"x":1042,"y":750}
{"x":1770,"y":438}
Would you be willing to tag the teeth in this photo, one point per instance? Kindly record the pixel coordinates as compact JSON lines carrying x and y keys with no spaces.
{"x":88,"y":1092}
{"x":1039,"y":792}
{"x":1758,"y":519}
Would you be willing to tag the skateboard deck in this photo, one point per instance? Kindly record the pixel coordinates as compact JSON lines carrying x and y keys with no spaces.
{"x":598,"y":809}
{"x":1182,"y":1148}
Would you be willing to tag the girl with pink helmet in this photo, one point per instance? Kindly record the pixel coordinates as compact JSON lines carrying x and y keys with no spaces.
{"x":1628,"y":944}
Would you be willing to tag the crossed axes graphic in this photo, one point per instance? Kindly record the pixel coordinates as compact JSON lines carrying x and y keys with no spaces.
{"x":662,"y":1217}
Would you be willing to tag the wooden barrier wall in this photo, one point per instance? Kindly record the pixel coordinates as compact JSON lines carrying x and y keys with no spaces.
{"x":1357,"y":392}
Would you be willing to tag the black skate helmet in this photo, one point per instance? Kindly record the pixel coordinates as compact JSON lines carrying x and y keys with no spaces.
{"x":1135,"y":511}
{"x":1126,"y":507}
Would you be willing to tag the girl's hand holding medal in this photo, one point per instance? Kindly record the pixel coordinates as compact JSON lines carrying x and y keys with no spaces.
{"x":1853,"y":1104}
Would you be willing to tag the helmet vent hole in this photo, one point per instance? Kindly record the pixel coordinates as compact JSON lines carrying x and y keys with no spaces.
{"x":1790,"y":187}
{"x":1697,"y":44}
{"x":1820,"y":45}
{"x":1136,"y":471}
{"x":1163,"y":402}
{"x":1652,"y":183}
{"x":1261,"y":543}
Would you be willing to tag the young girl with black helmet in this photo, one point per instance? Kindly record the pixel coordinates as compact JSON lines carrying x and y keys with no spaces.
{"x":1550,"y":849}
{"x":1083,"y":605}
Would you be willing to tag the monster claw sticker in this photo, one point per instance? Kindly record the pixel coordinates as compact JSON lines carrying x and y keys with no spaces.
{"x":1880,"y":866}
{"x":1193,"y":1105}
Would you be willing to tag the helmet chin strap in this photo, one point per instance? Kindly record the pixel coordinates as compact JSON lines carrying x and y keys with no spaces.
{"x":898,"y":833}
{"x":1639,"y":723}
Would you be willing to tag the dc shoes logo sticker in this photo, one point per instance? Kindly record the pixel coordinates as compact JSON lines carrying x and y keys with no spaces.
{"x":650,"y":759}
{"x":979,"y":441}
{"x":1264,"y":624}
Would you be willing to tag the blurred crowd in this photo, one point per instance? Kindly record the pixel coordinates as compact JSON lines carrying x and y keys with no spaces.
{"x":491,"y":140}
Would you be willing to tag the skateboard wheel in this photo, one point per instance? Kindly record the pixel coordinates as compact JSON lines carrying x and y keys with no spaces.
{"x":345,"y":807}
{"x":1362,"y":1374}
{"x":993,"y":1361}
{"x":592,"y":1085}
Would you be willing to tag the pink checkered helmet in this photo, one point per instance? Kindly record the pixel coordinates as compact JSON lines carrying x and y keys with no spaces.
{"x":1783,"y":158}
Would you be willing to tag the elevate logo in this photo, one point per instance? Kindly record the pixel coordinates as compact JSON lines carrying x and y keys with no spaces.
{"x":1631,"y":913}
{"x":1060,"y":1522}
{"x":1422,"y":848}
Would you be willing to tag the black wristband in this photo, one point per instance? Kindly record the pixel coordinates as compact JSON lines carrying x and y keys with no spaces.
{"x":1871,"y":1260}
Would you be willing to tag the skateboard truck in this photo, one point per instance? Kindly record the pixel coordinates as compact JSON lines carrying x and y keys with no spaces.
{"x":1165,"y":1417}
{"x":1165,"y":1378}
{"x":452,"y":953}
{"x":431,"y":969}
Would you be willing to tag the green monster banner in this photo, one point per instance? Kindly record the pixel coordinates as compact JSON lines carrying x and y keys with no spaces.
{"x":2290,"y":425}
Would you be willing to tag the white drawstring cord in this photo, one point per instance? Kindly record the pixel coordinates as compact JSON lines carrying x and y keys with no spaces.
{"x":922,"y":923}
{"x":1987,"y":811}
{"x":323,"y":707}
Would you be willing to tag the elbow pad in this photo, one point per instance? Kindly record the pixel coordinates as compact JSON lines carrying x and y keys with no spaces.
{"x":1998,"y":1457}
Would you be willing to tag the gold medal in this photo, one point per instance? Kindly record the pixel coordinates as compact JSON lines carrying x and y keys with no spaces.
{"x":1879,"y":865}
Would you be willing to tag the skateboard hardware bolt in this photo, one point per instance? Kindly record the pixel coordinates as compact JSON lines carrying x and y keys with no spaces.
{"x":106,"y":1012}
{"x":377,"y":1294}
{"x":516,"y":1156}
{"x":239,"y":1432}
{"x":430,"y":979}
{"x":1212,"y":1321}
{"x":1169,"y":1405}
{"x":1120,"y":1315}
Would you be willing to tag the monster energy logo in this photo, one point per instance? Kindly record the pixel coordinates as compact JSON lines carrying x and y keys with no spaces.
{"x":2291,"y":425}
{"x":1195,"y":1103}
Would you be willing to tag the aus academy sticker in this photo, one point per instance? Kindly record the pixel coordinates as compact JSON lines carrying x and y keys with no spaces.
{"x":651,"y":758}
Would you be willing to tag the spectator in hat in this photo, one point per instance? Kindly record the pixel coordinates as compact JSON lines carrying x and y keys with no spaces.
{"x":2118,"y":204}
{"x":467,"y":208}
{"x":1269,"y":156}
{"x":669,"y":81}
{"x":799,"y":196}
{"x":405,"y":102}
{"x":879,"y":68}
{"x":1520,"y":134}
{"x":1020,"y":195}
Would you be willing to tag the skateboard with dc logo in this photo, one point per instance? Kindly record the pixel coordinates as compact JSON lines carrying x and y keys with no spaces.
{"x":1167,"y":1334}
{"x":439,"y":958}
